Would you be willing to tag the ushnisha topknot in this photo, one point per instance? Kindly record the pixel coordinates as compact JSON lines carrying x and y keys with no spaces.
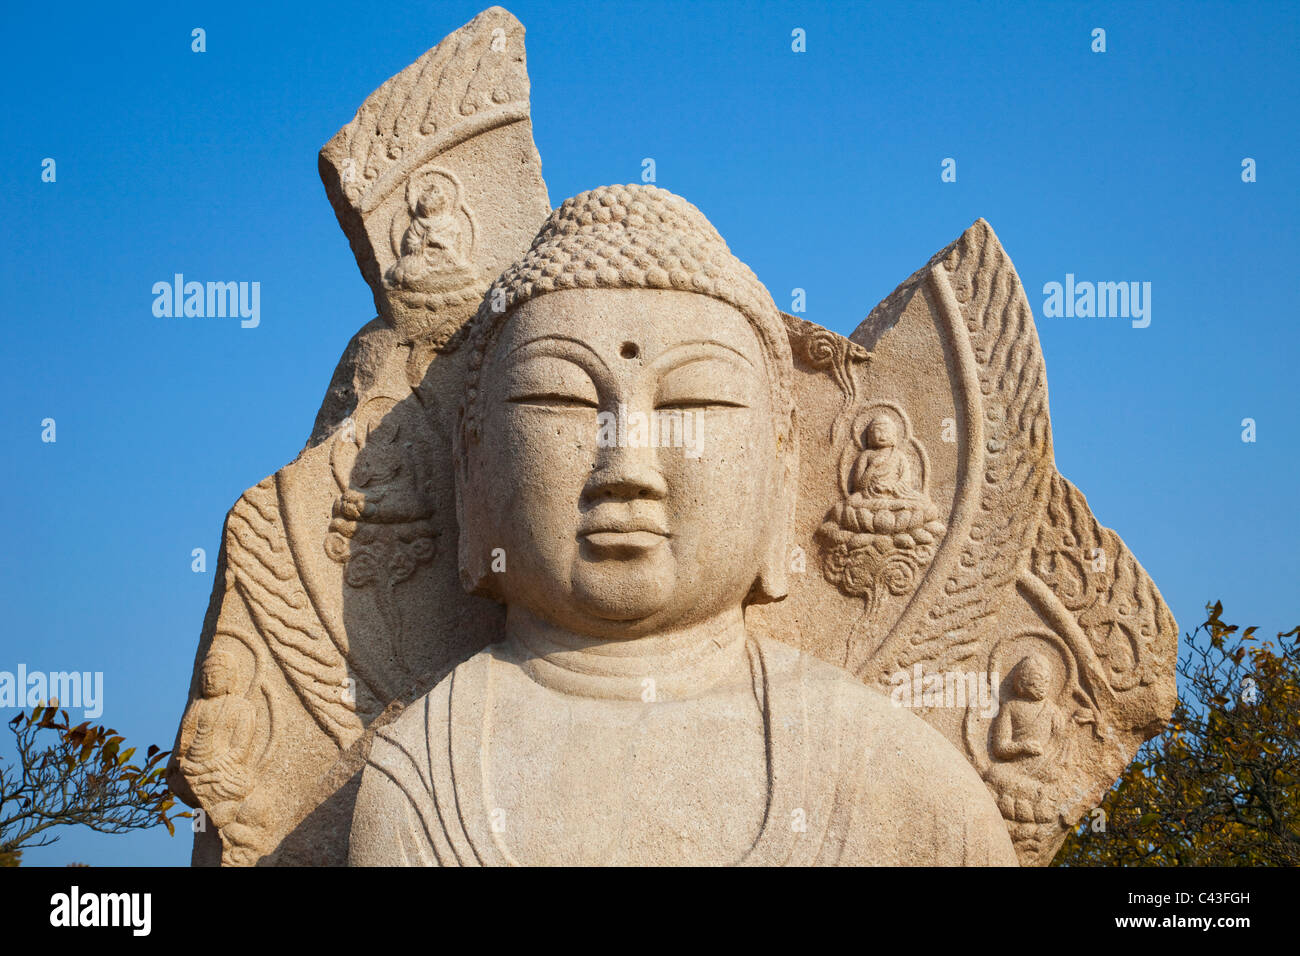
{"x":630,"y":237}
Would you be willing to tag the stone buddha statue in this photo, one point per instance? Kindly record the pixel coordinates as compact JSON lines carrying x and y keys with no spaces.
{"x":627,"y":715}
{"x":561,"y":577}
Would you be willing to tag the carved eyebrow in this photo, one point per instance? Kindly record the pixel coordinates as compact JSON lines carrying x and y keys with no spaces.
{"x":714,"y":342}
{"x":559,"y":338}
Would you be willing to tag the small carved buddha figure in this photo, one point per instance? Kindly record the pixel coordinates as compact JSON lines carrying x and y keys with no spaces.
{"x":628,"y":716}
{"x":379,"y":476}
{"x":885,"y":497}
{"x":882,"y":471}
{"x":1027,"y":724}
{"x":435,"y":244}
{"x":222,"y":736}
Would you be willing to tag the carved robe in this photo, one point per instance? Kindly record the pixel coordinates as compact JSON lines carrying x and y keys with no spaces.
{"x":851,"y":779}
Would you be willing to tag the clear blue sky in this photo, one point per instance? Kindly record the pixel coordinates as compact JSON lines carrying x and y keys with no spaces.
{"x":821,"y":169}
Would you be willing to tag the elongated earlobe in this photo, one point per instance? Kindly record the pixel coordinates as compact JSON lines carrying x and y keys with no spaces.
{"x":773,"y":582}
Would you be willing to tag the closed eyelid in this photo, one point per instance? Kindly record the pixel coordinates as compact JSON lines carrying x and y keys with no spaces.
{"x":547,"y":379}
{"x":678,"y":388}
{"x":556,"y":399}
{"x":689,"y":403}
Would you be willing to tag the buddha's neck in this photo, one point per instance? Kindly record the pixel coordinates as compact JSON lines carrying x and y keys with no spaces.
{"x":673,"y":665}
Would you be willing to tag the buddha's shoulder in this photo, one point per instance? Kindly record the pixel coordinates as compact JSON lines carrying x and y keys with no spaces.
{"x":830,"y":689}
{"x":894,"y":741}
{"x":429,"y":714}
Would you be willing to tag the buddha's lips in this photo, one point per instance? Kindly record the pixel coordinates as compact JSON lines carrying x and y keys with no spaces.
{"x":607,"y":520}
{"x":633,"y":534}
{"x":625,"y":540}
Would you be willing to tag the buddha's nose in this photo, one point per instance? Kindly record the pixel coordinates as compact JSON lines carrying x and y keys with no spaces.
{"x":626,"y":474}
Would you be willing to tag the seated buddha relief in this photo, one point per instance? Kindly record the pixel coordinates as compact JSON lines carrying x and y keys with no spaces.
{"x":627,"y":715}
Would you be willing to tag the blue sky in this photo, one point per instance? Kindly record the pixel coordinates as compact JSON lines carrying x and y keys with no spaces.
{"x":822,"y":170}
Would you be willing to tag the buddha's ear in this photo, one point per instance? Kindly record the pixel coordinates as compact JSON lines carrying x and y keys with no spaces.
{"x":774,"y":574}
{"x":472,"y":556}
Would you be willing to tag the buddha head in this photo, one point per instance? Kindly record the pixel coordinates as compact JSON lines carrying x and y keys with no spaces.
{"x":627,"y":326}
{"x":880,"y":432}
{"x":429,"y":197}
{"x":218,"y":674}
{"x":1032,"y":678}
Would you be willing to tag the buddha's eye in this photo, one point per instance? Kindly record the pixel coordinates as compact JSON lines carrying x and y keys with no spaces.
{"x":685,"y":404}
{"x":548,"y":381}
{"x":704,"y":384}
{"x":553,"y":400}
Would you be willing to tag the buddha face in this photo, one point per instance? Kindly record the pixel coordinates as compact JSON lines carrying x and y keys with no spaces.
{"x":433,"y":201}
{"x":605,"y":528}
{"x":218,"y":676}
{"x":880,"y":433}
{"x":1033,"y":679}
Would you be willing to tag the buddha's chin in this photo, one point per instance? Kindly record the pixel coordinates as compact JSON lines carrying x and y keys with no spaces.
{"x":624,"y":590}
